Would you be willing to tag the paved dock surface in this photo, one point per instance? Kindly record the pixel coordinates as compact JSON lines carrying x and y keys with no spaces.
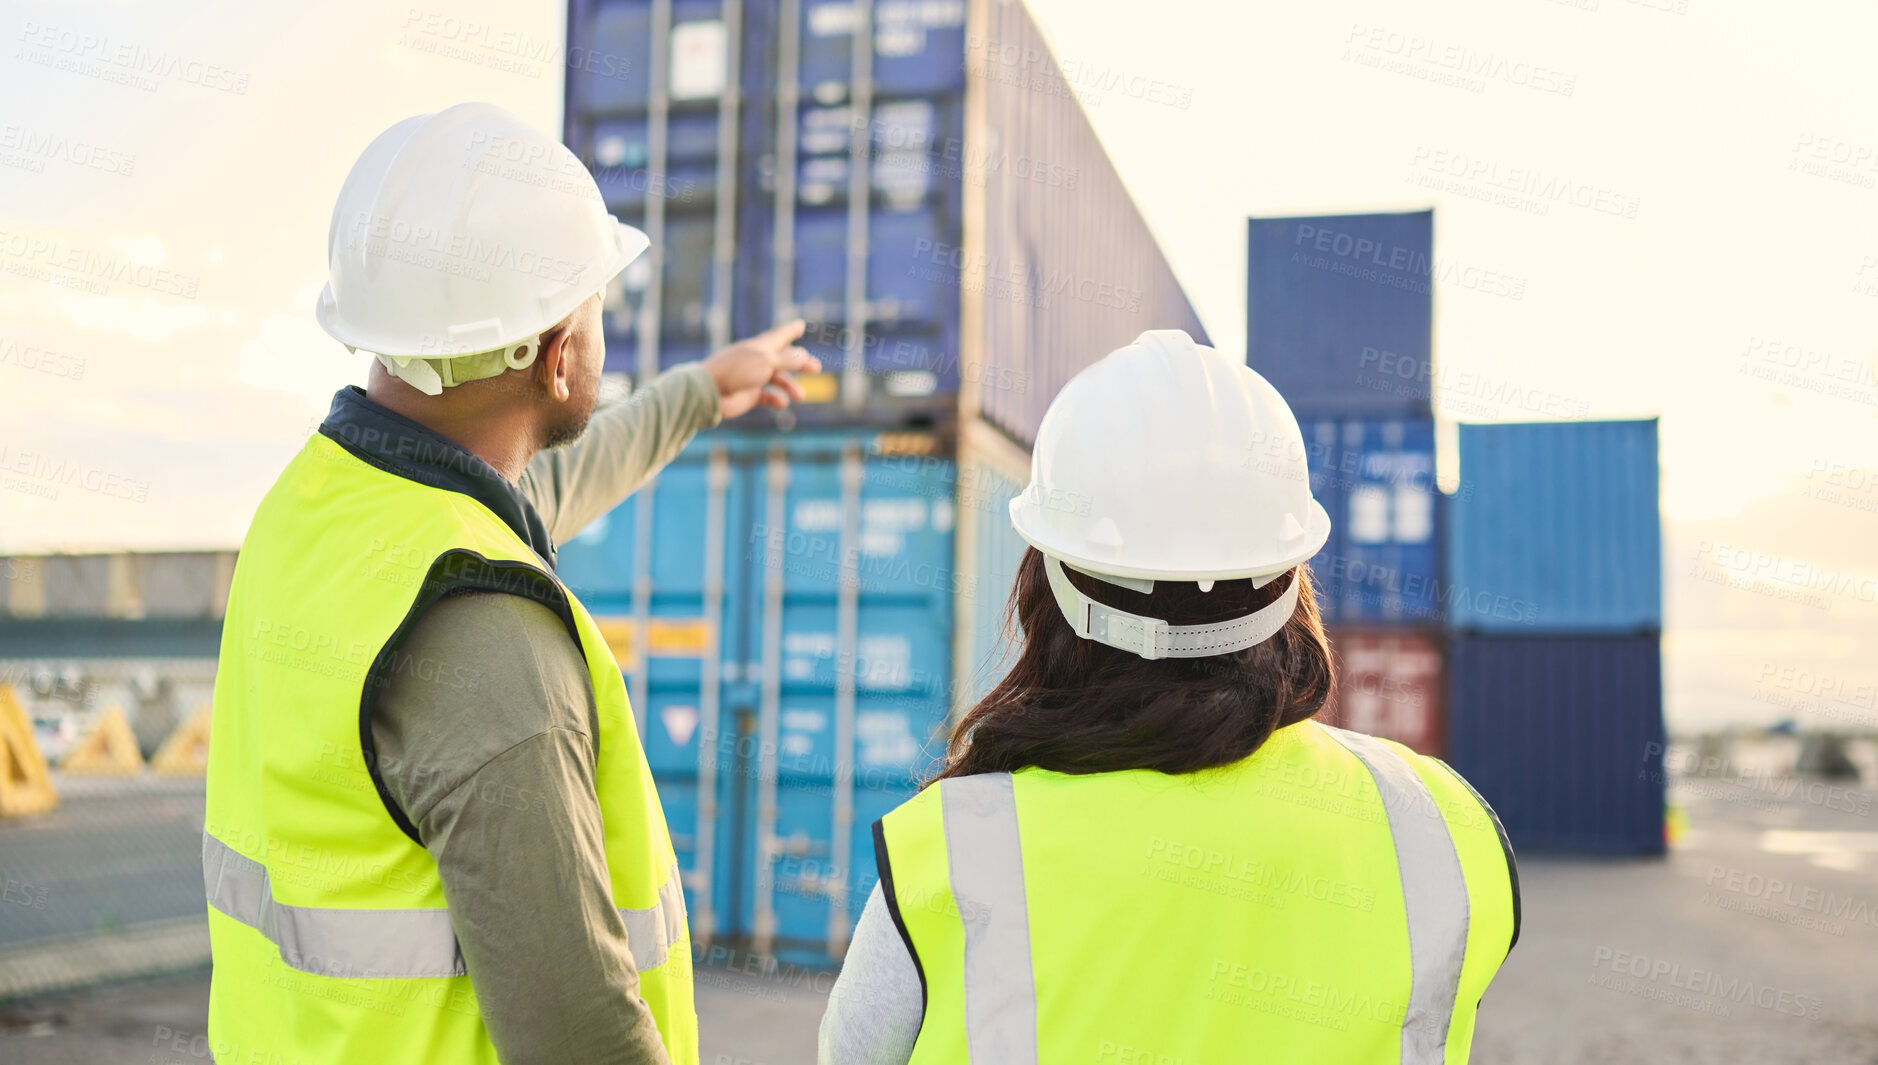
{"x":1756,"y":940}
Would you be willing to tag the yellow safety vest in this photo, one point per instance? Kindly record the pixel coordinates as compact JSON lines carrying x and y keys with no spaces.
{"x":331,"y":937}
{"x":1331,"y":898}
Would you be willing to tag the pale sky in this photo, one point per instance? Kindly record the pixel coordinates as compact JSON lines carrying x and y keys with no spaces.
{"x":1736,"y":301}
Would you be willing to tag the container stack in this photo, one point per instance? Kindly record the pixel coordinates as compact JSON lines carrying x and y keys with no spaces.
{"x":1339,"y":319}
{"x":1556,"y":611}
{"x":802,"y":602}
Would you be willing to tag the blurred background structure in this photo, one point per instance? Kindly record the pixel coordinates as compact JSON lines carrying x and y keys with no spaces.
{"x":804,"y":600}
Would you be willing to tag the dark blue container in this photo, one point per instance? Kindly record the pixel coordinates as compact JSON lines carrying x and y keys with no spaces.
{"x":609,"y":57}
{"x":1564,"y":737}
{"x":793,"y":680}
{"x":747,"y":191}
{"x":1340,"y":312}
{"x":1376,"y":479}
{"x":1557,"y":529}
{"x":917,"y":48}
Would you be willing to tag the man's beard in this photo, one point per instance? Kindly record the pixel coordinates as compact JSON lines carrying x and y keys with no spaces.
{"x":573,"y":421}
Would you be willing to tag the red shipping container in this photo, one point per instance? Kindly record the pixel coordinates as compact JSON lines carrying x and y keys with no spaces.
{"x":1389,"y":684}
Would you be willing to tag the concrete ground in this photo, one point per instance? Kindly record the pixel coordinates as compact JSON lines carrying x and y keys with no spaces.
{"x":1756,"y":940}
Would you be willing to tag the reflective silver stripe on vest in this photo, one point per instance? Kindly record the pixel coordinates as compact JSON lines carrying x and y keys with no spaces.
{"x":402,"y":943}
{"x":987,"y":869}
{"x":1434,"y":896}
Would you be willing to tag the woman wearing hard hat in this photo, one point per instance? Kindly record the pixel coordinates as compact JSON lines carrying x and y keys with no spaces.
{"x":1141,"y":848}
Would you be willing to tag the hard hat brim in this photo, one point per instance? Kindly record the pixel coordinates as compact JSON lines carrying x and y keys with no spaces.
{"x":1317,"y":533}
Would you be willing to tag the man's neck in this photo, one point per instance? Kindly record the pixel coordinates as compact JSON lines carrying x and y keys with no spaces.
{"x":495,"y":437}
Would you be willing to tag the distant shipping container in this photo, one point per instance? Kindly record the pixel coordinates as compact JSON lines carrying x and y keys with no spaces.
{"x":1390,"y":683}
{"x":1340,"y":312}
{"x":943,"y":216}
{"x":787,"y":634}
{"x":1557,"y":529}
{"x":1564,"y":736}
{"x":1376,"y":479}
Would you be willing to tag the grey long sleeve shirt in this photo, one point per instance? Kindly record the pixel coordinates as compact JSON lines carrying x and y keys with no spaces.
{"x":493,"y":762}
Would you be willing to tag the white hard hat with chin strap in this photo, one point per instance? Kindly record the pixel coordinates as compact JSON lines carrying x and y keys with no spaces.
{"x":1166,"y":462}
{"x":458,"y":239}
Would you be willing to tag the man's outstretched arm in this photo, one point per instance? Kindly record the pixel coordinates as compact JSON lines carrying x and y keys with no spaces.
{"x":628,"y":442}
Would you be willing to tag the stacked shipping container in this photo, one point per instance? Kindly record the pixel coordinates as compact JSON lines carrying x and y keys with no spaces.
{"x":1339,"y":317}
{"x":799,"y":611}
{"x":1556,"y":677}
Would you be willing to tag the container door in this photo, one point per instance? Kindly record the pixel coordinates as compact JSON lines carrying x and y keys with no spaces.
{"x":855,"y":638}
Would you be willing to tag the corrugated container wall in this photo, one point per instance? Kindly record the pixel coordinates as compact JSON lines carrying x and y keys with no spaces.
{"x":991,"y":472}
{"x":794,"y":606}
{"x":1390,"y":683}
{"x":1061,"y":262}
{"x":1340,"y":312}
{"x":999,"y":249}
{"x":1556,"y":529}
{"x":1376,"y":479}
{"x":1563,"y":736}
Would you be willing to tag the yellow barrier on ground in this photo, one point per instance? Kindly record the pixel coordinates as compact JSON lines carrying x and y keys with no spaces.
{"x":186,"y":752}
{"x":108,"y":750}
{"x":25,"y":786}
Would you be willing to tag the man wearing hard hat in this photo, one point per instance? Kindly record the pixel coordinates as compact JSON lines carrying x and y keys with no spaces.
{"x":431,"y":833}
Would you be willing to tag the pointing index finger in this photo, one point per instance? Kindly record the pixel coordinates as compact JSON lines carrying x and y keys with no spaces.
{"x":782,"y":335}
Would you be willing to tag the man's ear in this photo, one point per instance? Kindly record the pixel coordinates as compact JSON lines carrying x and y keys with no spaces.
{"x":551,"y":369}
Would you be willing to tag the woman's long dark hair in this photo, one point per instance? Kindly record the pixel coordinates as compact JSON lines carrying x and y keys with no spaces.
{"x":1078,"y":706}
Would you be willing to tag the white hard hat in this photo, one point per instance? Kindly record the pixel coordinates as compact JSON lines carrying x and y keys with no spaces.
{"x":1164,"y":461}
{"x":466,"y":231}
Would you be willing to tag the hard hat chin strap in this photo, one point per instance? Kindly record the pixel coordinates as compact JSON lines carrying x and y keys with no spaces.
{"x":1154,"y":638}
{"x":432,"y":374}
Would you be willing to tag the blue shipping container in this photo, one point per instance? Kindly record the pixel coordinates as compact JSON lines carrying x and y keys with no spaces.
{"x":795,"y":600}
{"x":728,"y":131}
{"x":1564,"y":737}
{"x":1557,"y":529}
{"x":1340,"y":312}
{"x":1376,"y":478}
